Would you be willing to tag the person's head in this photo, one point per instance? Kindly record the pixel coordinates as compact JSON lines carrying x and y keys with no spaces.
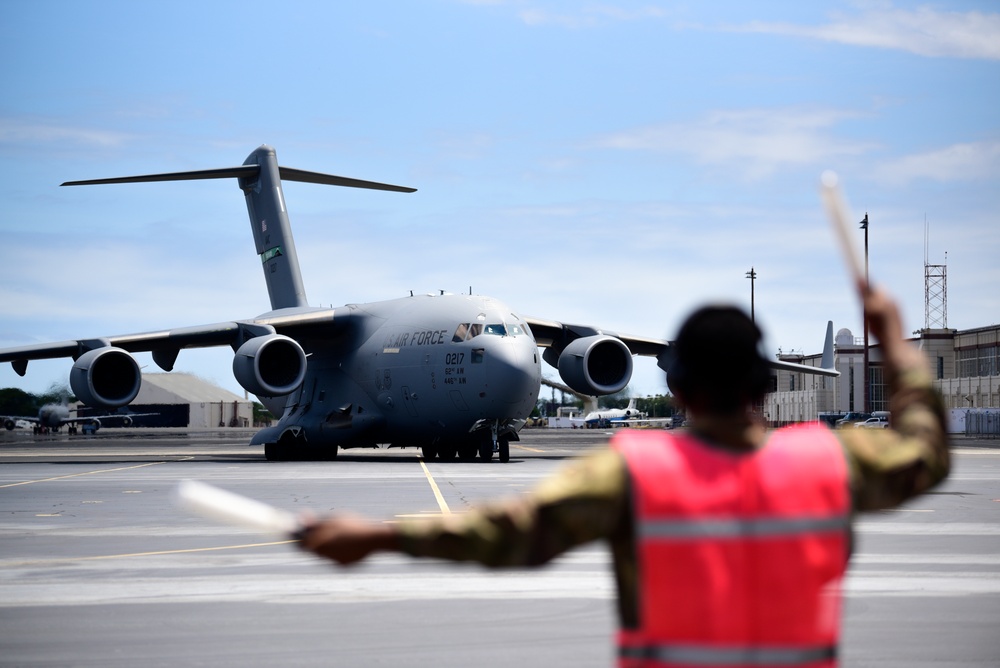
{"x":717,"y":365}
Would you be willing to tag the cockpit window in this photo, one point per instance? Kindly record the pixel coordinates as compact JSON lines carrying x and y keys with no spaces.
{"x":466,"y":331}
{"x":461,"y":333}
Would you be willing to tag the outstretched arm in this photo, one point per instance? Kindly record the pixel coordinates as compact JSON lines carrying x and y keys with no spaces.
{"x":890,"y":466}
{"x":585,"y":501}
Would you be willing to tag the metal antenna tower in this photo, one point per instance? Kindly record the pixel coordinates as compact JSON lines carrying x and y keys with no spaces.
{"x":935,"y":289}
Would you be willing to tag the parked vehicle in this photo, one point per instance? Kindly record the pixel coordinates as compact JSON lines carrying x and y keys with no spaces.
{"x":873,"y":423}
{"x":849,"y":419}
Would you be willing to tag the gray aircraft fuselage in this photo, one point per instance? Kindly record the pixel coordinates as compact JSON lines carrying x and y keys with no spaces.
{"x":425,"y":370}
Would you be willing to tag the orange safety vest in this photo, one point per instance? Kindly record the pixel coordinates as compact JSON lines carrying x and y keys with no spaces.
{"x":740,"y":554}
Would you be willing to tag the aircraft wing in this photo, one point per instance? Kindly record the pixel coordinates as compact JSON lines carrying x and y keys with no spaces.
{"x":165,"y":344}
{"x":16,"y":418}
{"x":557,"y":335}
{"x":549,"y":333}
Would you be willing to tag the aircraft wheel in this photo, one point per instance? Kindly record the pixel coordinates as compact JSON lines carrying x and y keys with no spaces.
{"x":467,"y":452}
{"x":504,"y":447}
{"x":447,"y":452}
{"x":274,"y":452}
{"x":486,"y":449}
{"x":429,"y":452}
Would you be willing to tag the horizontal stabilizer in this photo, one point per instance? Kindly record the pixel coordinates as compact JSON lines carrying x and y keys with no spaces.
{"x":249,"y":171}
{"x":292,"y":174}
{"x":244,"y":171}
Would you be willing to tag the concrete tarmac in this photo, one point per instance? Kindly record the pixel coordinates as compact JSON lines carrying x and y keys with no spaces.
{"x":99,"y":567}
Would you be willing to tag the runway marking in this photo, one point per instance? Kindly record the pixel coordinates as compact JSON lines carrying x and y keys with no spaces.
{"x":146,"y":554}
{"x":907,"y":510}
{"x":445,"y":510}
{"x":77,"y":475}
{"x":524,"y":447}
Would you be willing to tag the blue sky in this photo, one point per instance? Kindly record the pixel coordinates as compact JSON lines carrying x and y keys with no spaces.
{"x":610,"y":163}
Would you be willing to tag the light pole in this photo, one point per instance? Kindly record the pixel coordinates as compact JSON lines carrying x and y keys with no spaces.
{"x":752,"y":275}
{"x":867,"y":379}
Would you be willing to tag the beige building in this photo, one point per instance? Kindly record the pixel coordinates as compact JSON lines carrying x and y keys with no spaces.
{"x":966,"y":365}
{"x":184,"y":400}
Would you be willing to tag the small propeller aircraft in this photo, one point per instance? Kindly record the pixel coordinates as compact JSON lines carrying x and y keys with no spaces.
{"x":455,"y":375}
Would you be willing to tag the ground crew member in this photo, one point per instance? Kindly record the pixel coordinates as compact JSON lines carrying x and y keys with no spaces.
{"x":728,"y":541}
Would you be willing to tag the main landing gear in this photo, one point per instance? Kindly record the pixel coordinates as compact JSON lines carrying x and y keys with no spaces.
{"x":484,"y":444}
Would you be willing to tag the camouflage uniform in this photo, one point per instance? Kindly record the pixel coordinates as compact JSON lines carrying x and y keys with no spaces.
{"x":590,"y":499}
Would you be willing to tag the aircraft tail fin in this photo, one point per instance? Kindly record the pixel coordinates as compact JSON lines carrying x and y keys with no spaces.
{"x":827,"y":361}
{"x":260,"y":179}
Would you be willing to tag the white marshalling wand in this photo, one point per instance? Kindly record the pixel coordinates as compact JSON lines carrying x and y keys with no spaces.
{"x":840,"y":218}
{"x":230,"y":508}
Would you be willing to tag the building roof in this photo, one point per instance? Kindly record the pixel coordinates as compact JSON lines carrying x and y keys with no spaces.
{"x":172,"y":388}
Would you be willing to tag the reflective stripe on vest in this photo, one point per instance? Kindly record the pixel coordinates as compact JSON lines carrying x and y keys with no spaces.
{"x":732,"y":528}
{"x":729,"y":656}
{"x":740,"y":554}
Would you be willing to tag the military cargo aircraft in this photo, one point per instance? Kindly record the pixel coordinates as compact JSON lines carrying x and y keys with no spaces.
{"x":455,"y":375}
{"x":52,"y":417}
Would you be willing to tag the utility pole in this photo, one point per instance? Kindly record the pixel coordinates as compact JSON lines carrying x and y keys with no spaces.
{"x":867,"y":379}
{"x":752,"y":275}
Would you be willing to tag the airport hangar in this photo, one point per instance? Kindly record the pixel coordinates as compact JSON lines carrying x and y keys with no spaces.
{"x":184,"y":400}
{"x":965,"y":364}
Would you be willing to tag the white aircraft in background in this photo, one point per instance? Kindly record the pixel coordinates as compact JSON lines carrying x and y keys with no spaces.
{"x":608,"y":415}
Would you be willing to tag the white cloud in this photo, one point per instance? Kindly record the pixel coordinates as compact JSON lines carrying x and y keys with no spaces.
{"x":574,"y":16}
{"x":16,"y":131}
{"x":754,"y":141}
{"x":923,"y":31}
{"x":587,"y":15}
{"x":958,"y":162}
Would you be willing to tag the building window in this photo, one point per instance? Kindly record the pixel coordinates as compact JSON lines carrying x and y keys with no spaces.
{"x":879,"y":391}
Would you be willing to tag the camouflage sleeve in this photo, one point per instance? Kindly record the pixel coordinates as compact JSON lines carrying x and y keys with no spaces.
{"x":583,"y":502}
{"x":889,"y":466}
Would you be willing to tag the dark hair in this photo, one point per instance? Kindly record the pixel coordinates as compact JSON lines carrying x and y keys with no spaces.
{"x":717,"y":364}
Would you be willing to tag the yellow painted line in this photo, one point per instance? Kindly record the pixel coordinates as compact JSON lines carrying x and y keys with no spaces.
{"x":146,"y":554}
{"x":437,"y":492}
{"x":77,"y":475}
{"x":524,"y":447}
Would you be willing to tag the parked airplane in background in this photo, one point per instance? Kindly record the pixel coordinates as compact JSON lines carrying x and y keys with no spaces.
{"x":52,"y":417}
{"x":606,"y":416}
{"x":451,"y":374}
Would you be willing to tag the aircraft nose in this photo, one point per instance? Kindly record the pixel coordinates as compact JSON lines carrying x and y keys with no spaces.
{"x":513,"y":371}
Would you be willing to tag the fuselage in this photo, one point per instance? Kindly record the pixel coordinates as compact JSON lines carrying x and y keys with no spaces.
{"x":52,"y":415}
{"x":415,"y":371}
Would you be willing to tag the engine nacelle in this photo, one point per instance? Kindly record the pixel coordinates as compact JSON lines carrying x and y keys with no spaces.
{"x":272,"y":365}
{"x":596,"y":365}
{"x":105,"y":378}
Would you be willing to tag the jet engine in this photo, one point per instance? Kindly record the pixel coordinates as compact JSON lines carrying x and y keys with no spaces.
{"x":596,"y":365}
{"x":105,"y":378}
{"x":271,"y":365}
